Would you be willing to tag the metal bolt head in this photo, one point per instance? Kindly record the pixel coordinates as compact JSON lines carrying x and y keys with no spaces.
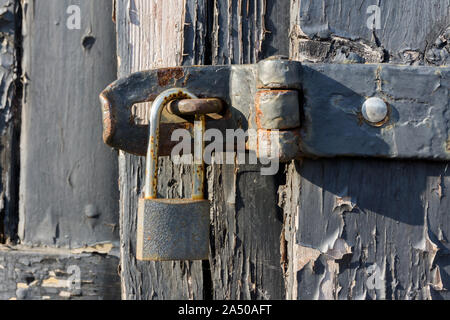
{"x":374,"y":110}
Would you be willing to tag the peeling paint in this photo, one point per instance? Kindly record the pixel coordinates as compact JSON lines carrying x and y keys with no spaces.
{"x":339,"y":250}
{"x":102,"y":248}
{"x":328,"y":289}
{"x":21,"y":285}
{"x":65,"y":294}
{"x":343,"y":204}
{"x":304,"y":255}
{"x":53,"y":282}
{"x":33,"y":273}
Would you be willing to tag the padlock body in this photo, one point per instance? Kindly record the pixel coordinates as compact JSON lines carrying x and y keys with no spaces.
{"x":172,"y":229}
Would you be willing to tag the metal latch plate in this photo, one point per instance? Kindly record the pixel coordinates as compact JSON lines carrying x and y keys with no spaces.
{"x":417,"y":127}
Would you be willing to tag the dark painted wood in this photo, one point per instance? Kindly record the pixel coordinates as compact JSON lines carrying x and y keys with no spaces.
{"x":68,"y":186}
{"x":68,"y":178}
{"x":393,"y":215}
{"x":411,"y":31}
{"x":147,"y":38}
{"x":367,"y":229}
{"x":46,"y":274}
{"x":9,"y":122}
{"x":246,"y":222}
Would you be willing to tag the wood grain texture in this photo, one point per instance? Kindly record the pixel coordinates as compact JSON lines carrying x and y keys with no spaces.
{"x":68,"y":186}
{"x":360,"y":217}
{"x":9,"y":123}
{"x":366,"y":229}
{"x":42,"y":274}
{"x":150,"y":35}
{"x":246,"y":222}
{"x":410,"y":31}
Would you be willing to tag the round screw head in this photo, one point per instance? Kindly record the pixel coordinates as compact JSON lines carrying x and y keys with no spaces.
{"x":374,"y":110}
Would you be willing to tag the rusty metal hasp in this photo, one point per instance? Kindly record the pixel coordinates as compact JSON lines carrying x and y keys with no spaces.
{"x":319,"y":110}
{"x":262,"y":97}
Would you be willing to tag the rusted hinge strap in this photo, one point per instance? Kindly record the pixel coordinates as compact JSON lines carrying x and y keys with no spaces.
{"x":316,"y":108}
{"x":228,"y":95}
{"x":277,"y":108}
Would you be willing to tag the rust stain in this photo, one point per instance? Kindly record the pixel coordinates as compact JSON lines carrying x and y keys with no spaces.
{"x":186,"y":79}
{"x":109,"y":119}
{"x":287,"y":140}
{"x":258,"y":111}
{"x":175,"y":96}
{"x":260,"y":96}
{"x":168,"y":74}
{"x":272,"y":92}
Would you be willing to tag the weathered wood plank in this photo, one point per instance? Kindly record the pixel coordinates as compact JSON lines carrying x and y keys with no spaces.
{"x":247,"y":223}
{"x":409,"y":31}
{"x":243,"y":264}
{"x":57,"y":274}
{"x":8,"y":122}
{"x":366,"y":229}
{"x":151,"y":34}
{"x":371,"y":219}
{"x":68,"y":182}
{"x":68,"y":191}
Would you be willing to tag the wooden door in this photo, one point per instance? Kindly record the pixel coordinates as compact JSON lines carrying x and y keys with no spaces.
{"x":320,"y":229}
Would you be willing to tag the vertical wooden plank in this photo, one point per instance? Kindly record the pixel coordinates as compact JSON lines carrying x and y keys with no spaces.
{"x":8,"y":123}
{"x":68,"y":181}
{"x":150,"y":35}
{"x":68,"y":177}
{"x":367,"y":229}
{"x":247,"y":222}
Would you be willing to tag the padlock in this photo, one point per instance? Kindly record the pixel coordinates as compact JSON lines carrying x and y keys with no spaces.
{"x":173,"y":229}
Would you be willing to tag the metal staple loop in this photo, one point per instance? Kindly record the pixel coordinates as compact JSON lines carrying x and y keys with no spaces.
{"x":191,"y":107}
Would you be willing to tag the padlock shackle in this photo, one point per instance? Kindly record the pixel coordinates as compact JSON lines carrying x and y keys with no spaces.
{"x":151,"y":167}
{"x":199,"y":166}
